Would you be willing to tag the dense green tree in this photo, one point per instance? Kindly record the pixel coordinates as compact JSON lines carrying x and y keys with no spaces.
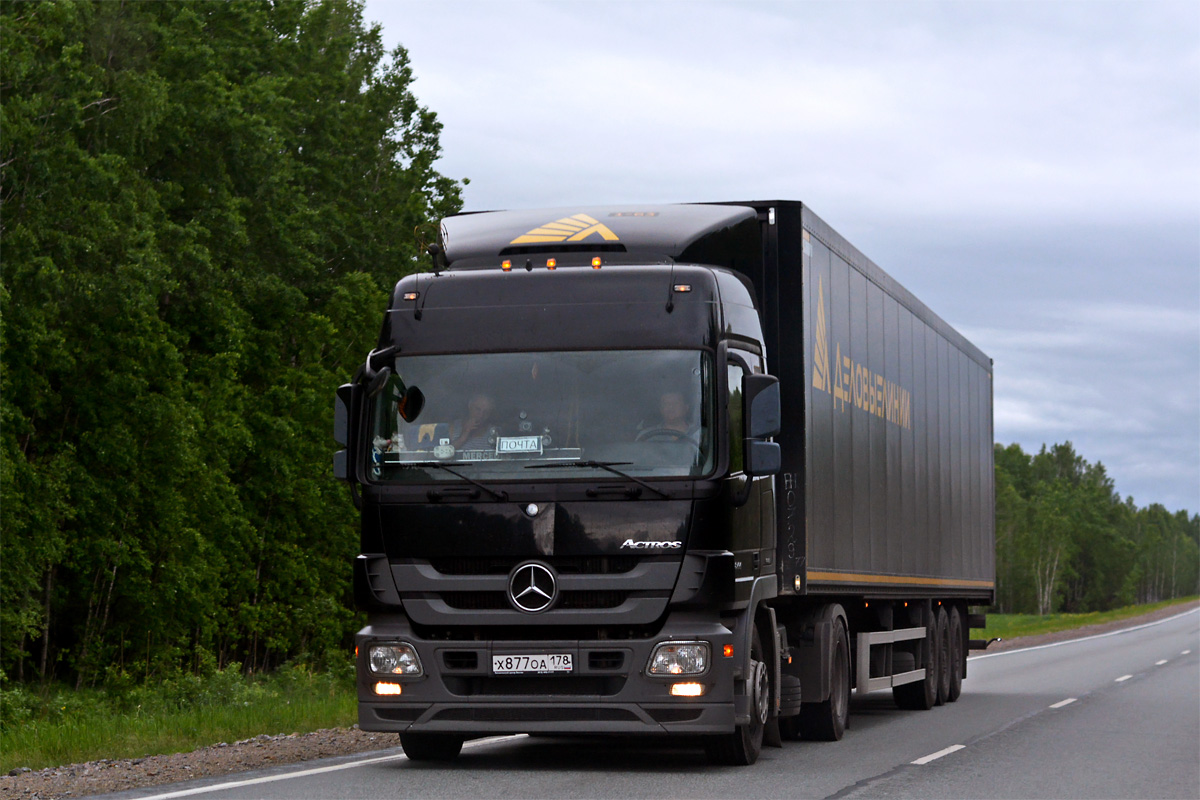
{"x":203,"y":207}
{"x":1065,"y":541}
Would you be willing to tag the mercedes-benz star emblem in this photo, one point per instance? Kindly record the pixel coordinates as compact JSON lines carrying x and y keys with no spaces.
{"x":532,"y":587}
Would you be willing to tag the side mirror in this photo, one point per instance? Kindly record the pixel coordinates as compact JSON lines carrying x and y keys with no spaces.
{"x":343,"y":402}
{"x":760,"y":396}
{"x":762,"y":458}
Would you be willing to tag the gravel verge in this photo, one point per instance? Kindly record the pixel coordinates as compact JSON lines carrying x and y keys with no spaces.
{"x":108,"y":775}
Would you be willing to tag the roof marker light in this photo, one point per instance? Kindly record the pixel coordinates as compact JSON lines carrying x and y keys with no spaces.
{"x":506,"y":265}
{"x":683,"y":287}
{"x":596,"y":262}
{"x":411,"y":295}
{"x":551,"y":263}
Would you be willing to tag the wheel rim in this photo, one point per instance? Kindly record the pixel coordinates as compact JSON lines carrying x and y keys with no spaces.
{"x":840,"y":685}
{"x":762,"y":692}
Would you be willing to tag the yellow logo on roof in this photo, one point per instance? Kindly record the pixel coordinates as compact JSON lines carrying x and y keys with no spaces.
{"x":574,"y":228}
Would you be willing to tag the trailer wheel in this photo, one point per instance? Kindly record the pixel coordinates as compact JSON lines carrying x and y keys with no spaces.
{"x":431,"y":746}
{"x":922,"y":695}
{"x":943,"y":656}
{"x":827,"y":721}
{"x":956,"y":655}
{"x":742,"y":747}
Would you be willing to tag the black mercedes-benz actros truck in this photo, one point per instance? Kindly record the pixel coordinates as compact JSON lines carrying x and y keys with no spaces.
{"x":689,"y":470}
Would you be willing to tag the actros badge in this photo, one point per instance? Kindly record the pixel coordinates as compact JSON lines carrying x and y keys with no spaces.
{"x":532,"y":587}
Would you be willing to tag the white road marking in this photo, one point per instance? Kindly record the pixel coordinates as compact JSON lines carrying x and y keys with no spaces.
{"x":1160,"y":663}
{"x":954,"y":748}
{"x":1062,"y":703}
{"x":366,"y":762}
{"x":1087,"y":638}
{"x":1122,"y":678}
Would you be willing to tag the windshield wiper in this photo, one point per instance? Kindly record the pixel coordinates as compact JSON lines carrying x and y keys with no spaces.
{"x":604,"y":465}
{"x":501,"y":497}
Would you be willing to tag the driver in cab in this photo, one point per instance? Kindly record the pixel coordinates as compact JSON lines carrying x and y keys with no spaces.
{"x":675,"y":420}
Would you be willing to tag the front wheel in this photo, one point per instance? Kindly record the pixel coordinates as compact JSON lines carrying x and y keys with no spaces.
{"x":431,"y":746}
{"x":827,"y":721}
{"x":742,"y":747}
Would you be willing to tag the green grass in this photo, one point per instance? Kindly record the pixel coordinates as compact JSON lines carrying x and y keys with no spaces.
{"x":59,"y":726}
{"x":1014,"y":626}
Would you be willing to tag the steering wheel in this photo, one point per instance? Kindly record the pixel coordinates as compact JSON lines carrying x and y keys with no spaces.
{"x":671,"y":433}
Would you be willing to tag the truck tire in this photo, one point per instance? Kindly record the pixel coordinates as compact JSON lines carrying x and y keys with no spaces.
{"x":943,"y":656}
{"x":431,"y":746}
{"x":742,"y":747}
{"x":827,"y":721}
{"x":922,"y":695}
{"x":957,"y":665}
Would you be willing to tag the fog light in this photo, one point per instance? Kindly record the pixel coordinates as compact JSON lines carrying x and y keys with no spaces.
{"x":679,"y":658}
{"x":687,"y":689}
{"x":387,"y":688}
{"x":399,"y":658}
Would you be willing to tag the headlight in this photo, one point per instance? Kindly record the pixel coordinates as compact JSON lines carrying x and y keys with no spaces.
{"x":679,"y":658}
{"x":394,"y":659}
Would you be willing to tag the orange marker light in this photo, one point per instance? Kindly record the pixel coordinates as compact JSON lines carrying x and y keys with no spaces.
{"x":506,"y":265}
{"x":410,"y":295}
{"x":596,"y":262}
{"x":551,"y":263}
{"x":727,"y":651}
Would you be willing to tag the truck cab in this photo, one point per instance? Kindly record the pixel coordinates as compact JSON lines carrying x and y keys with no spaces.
{"x":561,"y":449}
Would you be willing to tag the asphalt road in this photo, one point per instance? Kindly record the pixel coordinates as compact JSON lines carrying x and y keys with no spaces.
{"x":1116,"y":715}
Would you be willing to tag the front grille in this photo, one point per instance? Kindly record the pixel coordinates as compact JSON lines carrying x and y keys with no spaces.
{"x":675,"y":714}
{"x":461,"y":659}
{"x":533,"y":685}
{"x":400,"y":713}
{"x":535,"y":714}
{"x":581,"y":565}
{"x":606,"y":659}
{"x":492,"y":601}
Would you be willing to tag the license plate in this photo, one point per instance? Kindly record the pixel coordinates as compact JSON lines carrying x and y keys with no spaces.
{"x":531,"y":662}
{"x":519,"y":444}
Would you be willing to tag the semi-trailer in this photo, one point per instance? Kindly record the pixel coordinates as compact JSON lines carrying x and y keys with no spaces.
{"x":696,"y":470}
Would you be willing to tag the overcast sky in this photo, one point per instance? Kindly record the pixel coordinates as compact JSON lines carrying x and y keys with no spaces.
{"x":1031,"y":170}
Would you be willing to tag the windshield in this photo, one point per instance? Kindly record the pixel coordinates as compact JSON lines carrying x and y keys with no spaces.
{"x":646,"y":413}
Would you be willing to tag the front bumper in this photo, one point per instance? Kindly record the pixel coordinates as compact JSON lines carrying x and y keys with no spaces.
{"x":608,"y":690}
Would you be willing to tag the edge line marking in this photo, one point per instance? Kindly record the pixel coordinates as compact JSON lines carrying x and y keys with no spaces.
{"x":1062,"y":703}
{"x":366,"y":762}
{"x":1087,"y":638}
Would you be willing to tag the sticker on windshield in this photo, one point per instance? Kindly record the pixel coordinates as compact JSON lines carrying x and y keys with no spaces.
{"x":519,"y":444}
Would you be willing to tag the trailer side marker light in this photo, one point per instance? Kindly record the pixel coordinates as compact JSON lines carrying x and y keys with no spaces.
{"x":596,"y":262}
{"x":506,"y":265}
{"x":551,"y":263}
{"x":683,"y":287}
{"x":387,"y":688}
{"x":687,"y":689}
{"x":727,"y":651}
{"x":411,"y":295}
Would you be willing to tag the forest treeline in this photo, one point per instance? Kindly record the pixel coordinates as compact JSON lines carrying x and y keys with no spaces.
{"x":1066,"y":541}
{"x":203,"y":207}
